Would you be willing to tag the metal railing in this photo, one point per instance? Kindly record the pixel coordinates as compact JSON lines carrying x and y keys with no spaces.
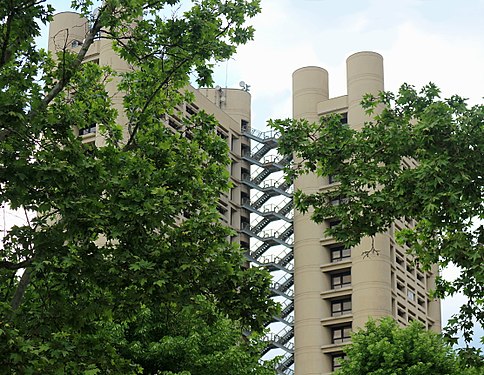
{"x":273,"y":230}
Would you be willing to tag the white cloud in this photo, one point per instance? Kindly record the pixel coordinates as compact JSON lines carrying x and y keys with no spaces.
{"x":419,"y":56}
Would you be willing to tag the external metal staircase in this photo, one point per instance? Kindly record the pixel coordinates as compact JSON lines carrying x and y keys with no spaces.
{"x":271,"y":230}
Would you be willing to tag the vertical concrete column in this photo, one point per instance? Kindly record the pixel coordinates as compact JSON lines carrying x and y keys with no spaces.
{"x":434,"y":308}
{"x":370,"y":275}
{"x":364,"y":75}
{"x":310,"y":86}
{"x":370,"y":279}
{"x":108,"y":57}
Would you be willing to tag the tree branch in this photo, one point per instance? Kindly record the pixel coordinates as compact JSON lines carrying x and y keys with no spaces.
{"x":21,"y":288}
{"x":59,"y":86}
{"x":150,"y":99}
{"x":15,"y":266}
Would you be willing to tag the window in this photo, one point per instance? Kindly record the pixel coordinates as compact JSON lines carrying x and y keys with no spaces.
{"x":336,"y":361}
{"x":339,"y":253}
{"x":76,"y":43}
{"x":222,"y":135}
{"x":341,"y":307}
{"x":245,"y":150}
{"x":341,"y":334}
{"x":338,"y":200}
{"x":332,"y":178}
{"x":244,"y":125}
{"x":344,"y":118}
{"x":174,"y":123}
{"x":421,"y":301}
{"x":420,"y":277}
{"x":340,"y":280}
{"x":245,"y":174}
{"x":222,"y":210}
{"x":244,"y":223}
{"x":190,"y":110}
{"x":410,"y":295}
{"x":244,"y":198}
{"x":334,"y":223}
{"x":88,"y":130}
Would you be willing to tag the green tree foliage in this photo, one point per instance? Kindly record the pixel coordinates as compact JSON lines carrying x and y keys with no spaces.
{"x":380,"y":182}
{"x":125,"y":267}
{"x":385,"y":349}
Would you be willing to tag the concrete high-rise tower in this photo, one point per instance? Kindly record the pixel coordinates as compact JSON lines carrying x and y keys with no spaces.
{"x":337,"y":289}
{"x":331,"y":289}
{"x":231,"y":107}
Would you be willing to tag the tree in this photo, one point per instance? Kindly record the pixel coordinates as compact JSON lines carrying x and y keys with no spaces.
{"x":385,"y":348}
{"x":125,"y":267}
{"x":381,"y":182}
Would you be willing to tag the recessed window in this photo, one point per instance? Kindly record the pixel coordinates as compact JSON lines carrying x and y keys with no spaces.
{"x":420,"y":277}
{"x":222,"y":210}
{"x":338,"y":200}
{"x":336,"y":360}
{"x":332,"y":178}
{"x":341,"y":307}
{"x":410,"y":268}
{"x":410,"y":295}
{"x":340,"y":280}
{"x":244,"y":125}
{"x":88,"y":130}
{"x":76,"y":43}
{"x":223,"y":135}
{"x":344,"y":118}
{"x":334,"y":223}
{"x":339,"y":253}
{"x":341,"y":334}
{"x":190,"y":110}
{"x":174,"y":123}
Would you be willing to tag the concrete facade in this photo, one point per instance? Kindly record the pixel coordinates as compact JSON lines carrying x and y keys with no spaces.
{"x":231,"y":107}
{"x":337,"y":289}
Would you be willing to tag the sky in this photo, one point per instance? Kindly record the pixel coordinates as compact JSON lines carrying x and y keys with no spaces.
{"x":421,"y":41}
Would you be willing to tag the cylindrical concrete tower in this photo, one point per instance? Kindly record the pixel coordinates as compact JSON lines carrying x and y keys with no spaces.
{"x":364,"y":75}
{"x":66,"y":31}
{"x":310,"y":86}
{"x":108,"y":57}
{"x":370,"y":279}
{"x":370,"y":275}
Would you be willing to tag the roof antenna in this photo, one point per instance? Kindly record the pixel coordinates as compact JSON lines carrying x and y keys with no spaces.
{"x":244,"y":86}
{"x":226,"y":72}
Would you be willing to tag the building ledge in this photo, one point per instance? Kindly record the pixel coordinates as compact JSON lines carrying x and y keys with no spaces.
{"x":325,"y":241}
{"x":335,"y":320}
{"x":333,"y":105}
{"x":87,"y":138}
{"x":330,"y":267}
{"x":336,"y":293}
{"x":334,"y":348}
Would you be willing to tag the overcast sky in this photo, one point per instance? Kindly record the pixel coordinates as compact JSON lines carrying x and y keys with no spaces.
{"x":441,"y":41}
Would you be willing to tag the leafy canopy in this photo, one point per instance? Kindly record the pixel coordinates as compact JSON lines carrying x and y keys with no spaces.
{"x":125,"y":267}
{"x":384,"y":348}
{"x":419,"y":157}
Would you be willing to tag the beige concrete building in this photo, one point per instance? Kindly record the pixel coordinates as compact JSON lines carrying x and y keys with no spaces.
{"x":337,"y":289}
{"x":231,"y":107}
